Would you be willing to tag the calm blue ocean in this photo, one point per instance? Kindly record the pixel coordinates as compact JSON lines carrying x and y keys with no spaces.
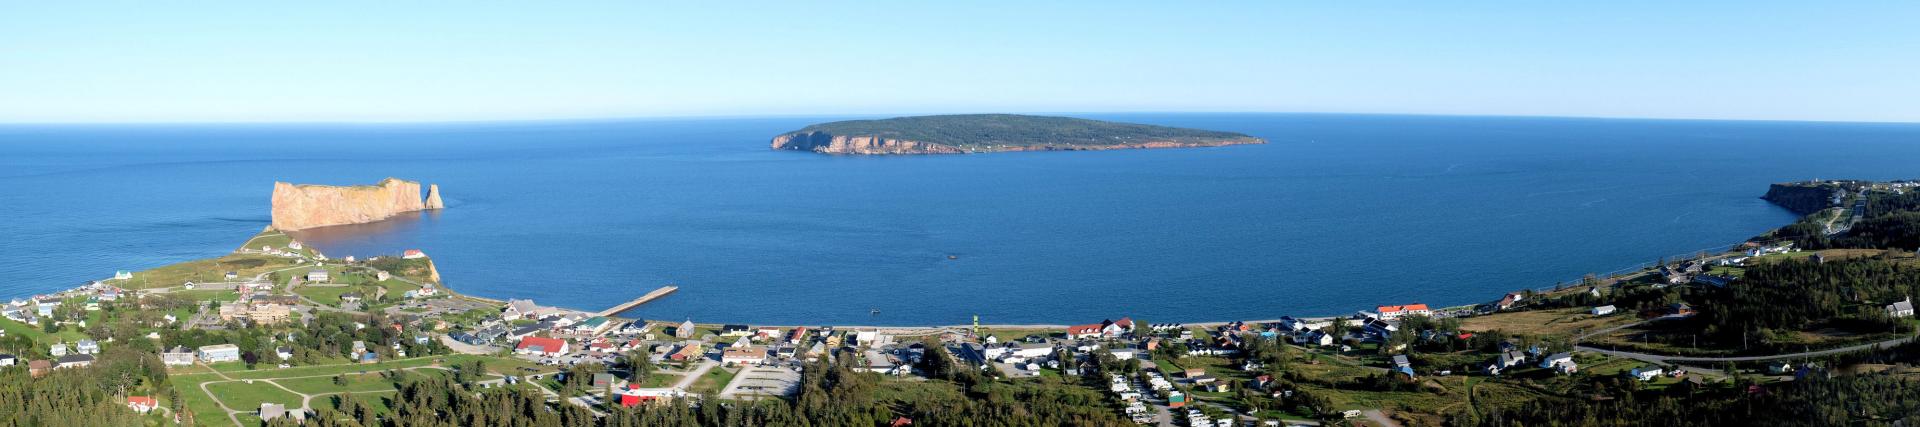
{"x":1337,"y":213}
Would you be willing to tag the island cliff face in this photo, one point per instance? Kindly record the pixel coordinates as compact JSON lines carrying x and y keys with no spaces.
{"x":301,"y":206}
{"x":822,"y":142}
{"x":988,"y":133}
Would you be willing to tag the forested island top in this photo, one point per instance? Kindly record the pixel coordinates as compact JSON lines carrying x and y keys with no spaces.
{"x":986,"y":133}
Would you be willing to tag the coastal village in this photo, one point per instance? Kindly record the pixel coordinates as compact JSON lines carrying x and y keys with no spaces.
{"x":276,"y":331}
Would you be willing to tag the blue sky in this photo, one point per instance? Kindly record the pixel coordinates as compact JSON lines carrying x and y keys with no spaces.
{"x":431,"y":60}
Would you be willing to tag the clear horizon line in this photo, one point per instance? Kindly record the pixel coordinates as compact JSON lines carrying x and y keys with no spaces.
{"x":613,"y":118}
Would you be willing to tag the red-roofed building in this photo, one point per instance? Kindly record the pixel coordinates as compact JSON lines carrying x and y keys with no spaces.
{"x":413,"y":254}
{"x":633,"y":395}
{"x":1104,"y":329}
{"x":542,"y":346}
{"x":901,"y":422}
{"x":142,"y":404}
{"x":1395,"y":311}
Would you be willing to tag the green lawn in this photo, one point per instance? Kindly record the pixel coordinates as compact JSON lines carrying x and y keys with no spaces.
{"x":40,"y":338}
{"x":715,"y":379}
{"x":242,"y":396}
{"x":329,"y":295}
{"x":660,"y":380}
{"x":396,"y":288}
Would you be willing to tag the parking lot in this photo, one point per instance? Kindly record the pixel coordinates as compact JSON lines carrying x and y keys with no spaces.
{"x":762,"y":381}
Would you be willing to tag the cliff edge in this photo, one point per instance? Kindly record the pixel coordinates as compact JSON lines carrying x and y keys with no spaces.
{"x":302,"y":206}
{"x":1802,"y":198}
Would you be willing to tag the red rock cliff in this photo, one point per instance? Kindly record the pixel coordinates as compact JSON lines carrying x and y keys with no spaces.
{"x":300,"y":206}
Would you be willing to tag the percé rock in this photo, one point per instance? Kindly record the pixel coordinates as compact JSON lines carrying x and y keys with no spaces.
{"x":988,"y":133}
{"x":1801,"y":198}
{"x":433,"y":197}
{"x":303,"y":206}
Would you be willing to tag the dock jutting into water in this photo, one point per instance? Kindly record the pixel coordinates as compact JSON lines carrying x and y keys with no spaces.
{"x":643,"y":299}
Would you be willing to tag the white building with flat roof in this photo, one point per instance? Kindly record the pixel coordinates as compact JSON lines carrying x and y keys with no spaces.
{"x":219,"y":353}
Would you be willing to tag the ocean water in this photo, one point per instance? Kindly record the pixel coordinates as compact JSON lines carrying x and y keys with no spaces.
{"x":1337,"y":213}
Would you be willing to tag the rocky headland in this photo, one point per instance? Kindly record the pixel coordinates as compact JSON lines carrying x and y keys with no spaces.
{"x":303,"y":206}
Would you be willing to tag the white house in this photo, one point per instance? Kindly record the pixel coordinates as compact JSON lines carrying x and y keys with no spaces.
{"x":86,"y":346}
{"x":1561,"y":362}
{"x":519,"y":309}
{"x":1647,"y":373}
{"x":318,"y":276}
{"x":1780,"y":368}
{"x":177,"y":356}
{"x":219,"y":353}
{"x":1603,"y":310}
{"x":1904,"y":308}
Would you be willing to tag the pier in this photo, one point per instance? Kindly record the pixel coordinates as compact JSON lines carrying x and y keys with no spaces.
{"x":643,"y":299}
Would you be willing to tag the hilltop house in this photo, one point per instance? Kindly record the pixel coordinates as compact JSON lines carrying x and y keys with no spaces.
{"x":1603,"y":310}
{"x":413,"y":254}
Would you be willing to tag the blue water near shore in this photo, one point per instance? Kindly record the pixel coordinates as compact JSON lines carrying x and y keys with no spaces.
{"x":1337,"y":213}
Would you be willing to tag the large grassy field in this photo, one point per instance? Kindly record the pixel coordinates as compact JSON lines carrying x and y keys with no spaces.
{"x":242,"y":396}
{"x":364,"y":381}
{"x":329,"y":295}
{"x":221,"y":295}
{"x":205,"y":271}
{"x":40,"y":337}
{"x":357,"y":383}
{"x":1565,"y":321}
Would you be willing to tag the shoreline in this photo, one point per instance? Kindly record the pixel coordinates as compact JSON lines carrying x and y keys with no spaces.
{"x":1630,"y":271}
